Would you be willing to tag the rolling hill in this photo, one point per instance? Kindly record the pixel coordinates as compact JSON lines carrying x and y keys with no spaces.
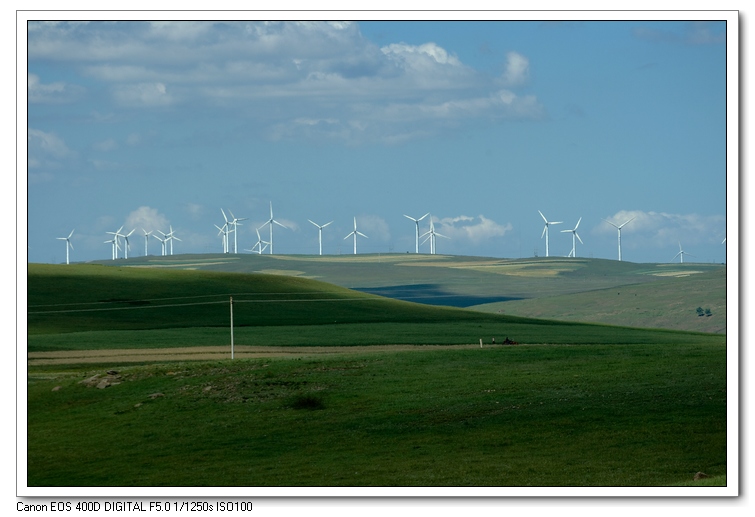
{"x":556,"y":288}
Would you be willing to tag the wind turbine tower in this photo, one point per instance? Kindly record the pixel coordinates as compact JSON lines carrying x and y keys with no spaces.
{"x":573,"y":252}
{"x":431,"y":234}
{"x":681,"y":254}
{"x":355,"y":233}
{"x":116,"y":245}
{"x":545,"y":231}
{"x":319,"y":231}
{"x":171,"y":238}
{"x":235,"y":223}
{"x":68,"y":243}
{"x":127,"y":245}
{"x":618,"y":228}
{"x":416,"y":222}
{"x":146,"y":241}
{"x":272,"y":221}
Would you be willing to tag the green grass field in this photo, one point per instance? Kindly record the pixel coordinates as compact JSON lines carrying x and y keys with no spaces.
{"x":573,"y":405}
{"x":554,"y":288}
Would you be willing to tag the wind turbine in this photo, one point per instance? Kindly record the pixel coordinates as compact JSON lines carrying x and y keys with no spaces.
{"x":319,"y":231}
{"x":618,"y":228}
{"x":272,"y":221}
{"x":68,"y":243}
{"x":258,"y":248}
{"x":416,"y":221}
{"x":355,"y":233}
{"x":146,"y":241}
{"x":171,"y":238}
{"x":573,"y":252}
{"x":114,"y":242}
{"x":127,"y":246}
{"x":681,"y":254}
{"x":431,"y":235}
{"x":116,"y":245}
{"x":235,"y":222}
{"x":545,"y":231}
{"x":162,"y":241}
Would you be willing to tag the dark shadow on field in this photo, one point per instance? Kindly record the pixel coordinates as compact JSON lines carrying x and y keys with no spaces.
{"x":432,"y":294}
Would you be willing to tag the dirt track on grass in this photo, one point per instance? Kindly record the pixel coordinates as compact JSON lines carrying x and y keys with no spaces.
{"x":210,"y":353}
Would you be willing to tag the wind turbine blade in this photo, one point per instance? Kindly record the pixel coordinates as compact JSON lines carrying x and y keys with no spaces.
{"x":70,"y":234}
{"x":224,"y":217}
{"x":632,"y":219}
{"x":412,"y":218}
{"x":363,"y":235}
{"x":545,"y":228}
{"x":577,"y":235}
{"x":609,"y":222}
{"x":279,"y":224}
{"x":541,"y":215}
{"x":580,"y":220}
{"x":428,"y":213}
{"x":326,"y":224}
{"x":311,"y":221}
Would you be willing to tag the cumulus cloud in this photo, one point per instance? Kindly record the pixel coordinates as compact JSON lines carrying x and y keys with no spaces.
{"x":51,"y":93}
{"x":143,"y":94}
{"x":146,"y":218}
{"x":303,"y":80}
{"x":661,"y":229}
{"x":473,"y":229}
{"x":46,"y":149}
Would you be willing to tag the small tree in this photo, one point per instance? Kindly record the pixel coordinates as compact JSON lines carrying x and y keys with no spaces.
{"x":700,"y":311}
{"x":707,"y":312}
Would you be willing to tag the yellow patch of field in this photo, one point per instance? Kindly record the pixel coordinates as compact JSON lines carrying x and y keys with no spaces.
{"x":675,"y":273}
{"x":281,"y":272}
{"x":185,"y":265}
{"x":388,"y":258}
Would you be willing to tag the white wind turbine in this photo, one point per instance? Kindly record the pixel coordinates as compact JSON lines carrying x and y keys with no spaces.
{"x":355,"y":233}
{"x":171,"y":238}
{"x":68,"y":243}
{"x":258,"y":248}
{"x":235,"y":223}
{"x":545,"y":231}
{"x":162,"y":241}
{"x":681,"y":254}
{"x":146,"y":241}
{"x":270,"y":222}
{"x":618,"y":228}
{"x":416,"y":222}
{"x":431,"y":234}
{"x":319,"y":231}
{"x":573,"y":252}
{"x":116,"y":245}
{"x":127,"y":246}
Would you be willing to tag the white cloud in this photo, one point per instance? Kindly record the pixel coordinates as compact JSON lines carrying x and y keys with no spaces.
{"x":474,"y":230}
{"x":517,"y":69}
{"x":51,"y":93}
{"x":143,"y":94}
{"x":299,"y":80}
{"x":46,"y":149}
{"x":146,"y":218}
{"x":661,"y":229}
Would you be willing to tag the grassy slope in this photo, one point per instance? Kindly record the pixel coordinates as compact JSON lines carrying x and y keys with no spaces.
{"x":669,"y":303}
{"x":88,"y":306}
{"x":475,"y":280}
{"x":517,"y":416}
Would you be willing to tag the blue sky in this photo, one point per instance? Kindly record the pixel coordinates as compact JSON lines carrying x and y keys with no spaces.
{"x":481,"y":124}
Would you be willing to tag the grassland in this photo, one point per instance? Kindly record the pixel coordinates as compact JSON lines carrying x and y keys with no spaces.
{"x":573,"y":405}
{"x":554,"y":288}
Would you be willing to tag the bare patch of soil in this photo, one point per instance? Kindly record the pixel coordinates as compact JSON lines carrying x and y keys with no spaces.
{"x":209,"y":353}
